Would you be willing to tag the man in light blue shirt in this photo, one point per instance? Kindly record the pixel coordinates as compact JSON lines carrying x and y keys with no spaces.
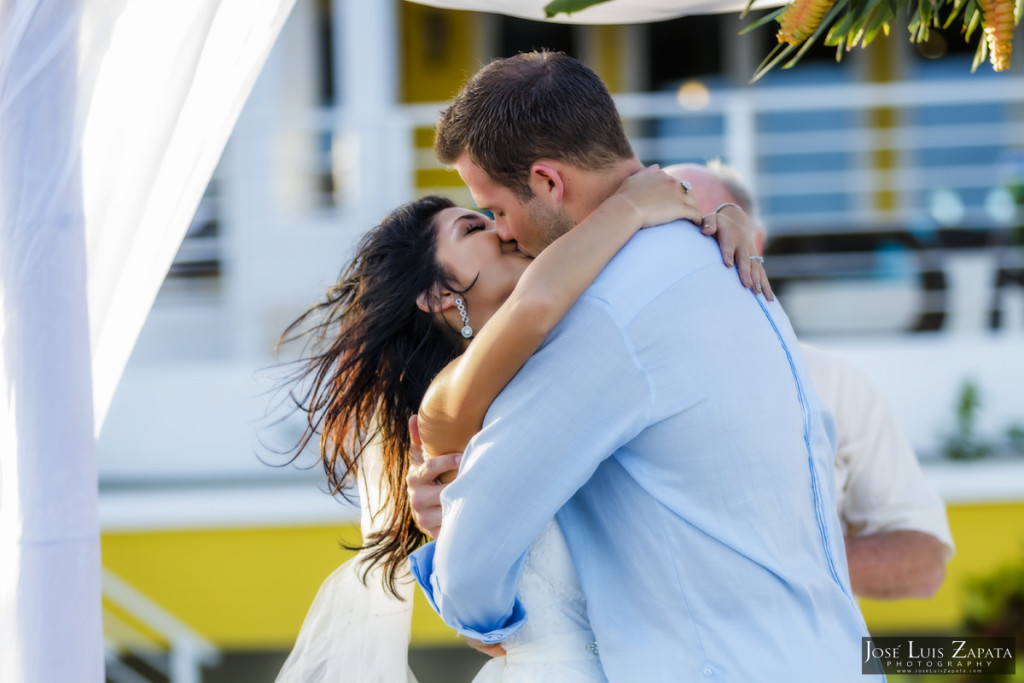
{"x":667,"y":422}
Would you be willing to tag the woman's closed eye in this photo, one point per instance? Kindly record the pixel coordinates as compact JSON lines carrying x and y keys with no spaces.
{"x":473,"y":227}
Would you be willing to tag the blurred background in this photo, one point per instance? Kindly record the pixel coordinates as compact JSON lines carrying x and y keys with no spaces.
{"x":891,"y":184}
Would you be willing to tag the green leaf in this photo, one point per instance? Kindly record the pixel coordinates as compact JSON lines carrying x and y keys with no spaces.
{"x":838,"y":32}
{"x":764,"y":20}
{"x":778,"y":53}
{"x":840,"y":48}
{"x":861,"y":15}
{"x":915,"y":20}
{"x":923,"y":12}
{"x":1018,"y":13}
{"x":870,"y":35}
{"x":980,"y":54}
{"x":879,"y":20}
{"x":953,"y":14}
{"x":859,"y":12}
{"x":568,"y":6}
{"x":918,"y":27}
{"x":956,"y":11}
{"x":975,"y":19}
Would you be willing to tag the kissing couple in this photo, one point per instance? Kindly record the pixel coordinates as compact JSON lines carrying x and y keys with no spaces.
{"x":645,"y":491}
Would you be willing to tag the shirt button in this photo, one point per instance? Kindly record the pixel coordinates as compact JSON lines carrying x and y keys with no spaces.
{"x":707,"y":672}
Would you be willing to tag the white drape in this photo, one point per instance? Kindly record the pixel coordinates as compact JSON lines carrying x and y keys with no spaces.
{"x":113,"y":114}
{"x":610,"y":12}
{"x":171,"y":80}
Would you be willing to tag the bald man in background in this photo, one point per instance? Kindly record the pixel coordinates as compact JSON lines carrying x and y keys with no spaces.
{"x":897,"y":535}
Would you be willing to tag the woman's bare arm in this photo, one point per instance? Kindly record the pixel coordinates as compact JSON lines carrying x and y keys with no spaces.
{"x":454,"y":406}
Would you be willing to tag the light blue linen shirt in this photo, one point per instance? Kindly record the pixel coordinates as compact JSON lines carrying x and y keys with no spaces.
{"x":669,"y":422}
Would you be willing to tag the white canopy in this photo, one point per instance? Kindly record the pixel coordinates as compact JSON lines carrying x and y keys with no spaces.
{"x":609,"y":12}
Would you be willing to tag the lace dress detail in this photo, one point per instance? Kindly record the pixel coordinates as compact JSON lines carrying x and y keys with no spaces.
{"x":556,"y":643}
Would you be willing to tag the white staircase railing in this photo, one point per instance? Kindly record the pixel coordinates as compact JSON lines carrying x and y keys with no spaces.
{"x":171,"y":648}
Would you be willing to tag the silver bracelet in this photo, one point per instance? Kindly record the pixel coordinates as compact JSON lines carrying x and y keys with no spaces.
{"x":722,"y":206}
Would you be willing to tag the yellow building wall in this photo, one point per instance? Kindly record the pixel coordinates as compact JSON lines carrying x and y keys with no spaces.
{"x":245,"y":589}
{"x":241,"y":588}
{"x":606,"y":60}
{"x":881,"y":58}
{"x":250,"y":588}
{"x":439,"y":52}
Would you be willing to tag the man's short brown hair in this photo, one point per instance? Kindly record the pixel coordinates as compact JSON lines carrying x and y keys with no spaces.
{"x":535,"y":105}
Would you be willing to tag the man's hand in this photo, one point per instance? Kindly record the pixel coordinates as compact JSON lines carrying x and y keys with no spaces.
{"x":424,"y":483}
{"x":896,"y":564}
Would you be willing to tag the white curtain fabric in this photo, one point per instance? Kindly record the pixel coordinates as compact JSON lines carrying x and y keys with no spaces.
{"x":170,"y":81}
{"x":609,"y":12}
{"x":113,"y":114}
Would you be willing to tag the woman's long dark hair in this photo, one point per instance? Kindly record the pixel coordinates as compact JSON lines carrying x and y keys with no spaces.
{"x":370,"y":354}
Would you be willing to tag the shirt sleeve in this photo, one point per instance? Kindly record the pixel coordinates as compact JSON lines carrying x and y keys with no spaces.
{"x":881,"y":484}
{"x":581,"y":397}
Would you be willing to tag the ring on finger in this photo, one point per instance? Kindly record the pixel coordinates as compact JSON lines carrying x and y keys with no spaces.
{"x":759,"y":259}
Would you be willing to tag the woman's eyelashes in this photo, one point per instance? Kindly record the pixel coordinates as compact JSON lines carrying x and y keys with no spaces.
{"x":473,"y":227}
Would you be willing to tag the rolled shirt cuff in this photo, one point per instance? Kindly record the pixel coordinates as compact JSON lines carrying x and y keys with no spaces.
{"x":421,"y":564}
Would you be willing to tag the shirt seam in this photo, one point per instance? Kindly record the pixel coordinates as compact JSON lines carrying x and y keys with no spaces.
{"x":815,"y":484}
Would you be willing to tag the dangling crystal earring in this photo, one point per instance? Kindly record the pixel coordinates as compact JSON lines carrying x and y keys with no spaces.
{"x":467,"y":331}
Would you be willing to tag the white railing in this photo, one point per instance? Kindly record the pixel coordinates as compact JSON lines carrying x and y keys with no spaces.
{"x":165,"y":644}
{"x":775,"y":136}
{"x":960,"y":136}
{"x":922,"y":165}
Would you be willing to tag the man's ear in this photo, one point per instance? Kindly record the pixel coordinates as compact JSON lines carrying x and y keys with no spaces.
{"x":546,"y":179}
{"x":429,"y":303}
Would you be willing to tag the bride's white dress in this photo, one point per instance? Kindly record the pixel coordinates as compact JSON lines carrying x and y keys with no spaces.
{"x":357,"y":632}
{"x":556,"y":643}
{"x":360,"y":633}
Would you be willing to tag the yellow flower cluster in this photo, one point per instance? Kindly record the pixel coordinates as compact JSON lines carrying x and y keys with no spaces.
{"x":858,"y":23}
{"x":801,"y":19}
{"x":997,"y":21}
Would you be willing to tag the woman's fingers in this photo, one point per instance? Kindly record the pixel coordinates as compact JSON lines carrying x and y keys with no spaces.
{"x":709,"y":224}
{"x":727,"y":243}
{"x":739,"y":247}
{"x":762,"y":277}
{"x":744,"y":266}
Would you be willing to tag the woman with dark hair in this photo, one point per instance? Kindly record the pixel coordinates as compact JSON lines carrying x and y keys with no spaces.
{"x":418,"y":291}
